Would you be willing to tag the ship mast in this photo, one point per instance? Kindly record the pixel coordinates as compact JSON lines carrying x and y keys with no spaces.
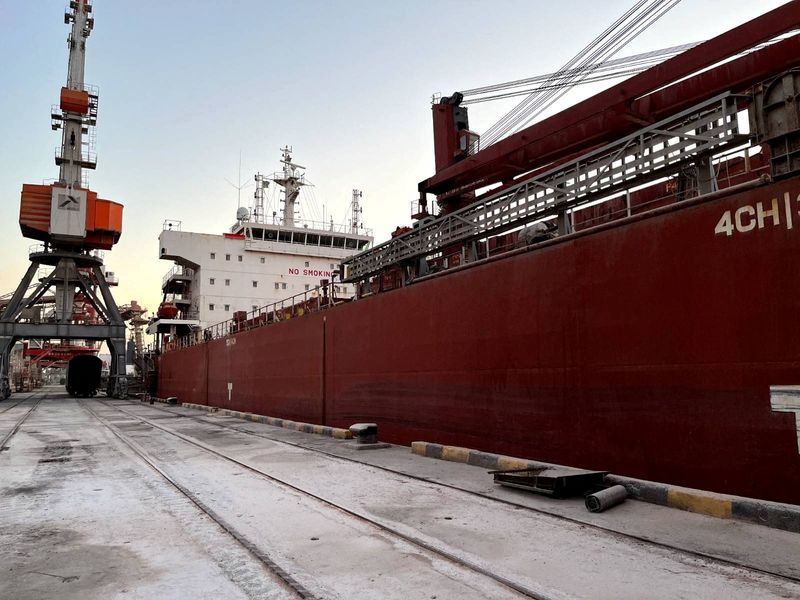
{"x":291,"y":180}
{"x":356,"y":211}
{"x":258,"y":205}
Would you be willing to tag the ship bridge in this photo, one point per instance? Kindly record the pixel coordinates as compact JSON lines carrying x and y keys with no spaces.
{"x":261,"y":236}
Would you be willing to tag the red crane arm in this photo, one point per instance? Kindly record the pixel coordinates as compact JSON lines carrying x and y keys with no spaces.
{"x":615,"y":112}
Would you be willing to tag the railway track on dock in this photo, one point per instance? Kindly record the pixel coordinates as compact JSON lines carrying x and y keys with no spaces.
{"x":4,"y":409}
{"x":502,"y":501}
{"x":261,"y":556}
{"x":302,"y":592}
{"x":7,"y":437}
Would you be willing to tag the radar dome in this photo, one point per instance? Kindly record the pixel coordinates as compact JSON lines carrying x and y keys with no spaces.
{"x":242,"y":214}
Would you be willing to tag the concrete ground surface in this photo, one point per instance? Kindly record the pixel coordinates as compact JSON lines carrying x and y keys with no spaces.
{"x":103,"y":498}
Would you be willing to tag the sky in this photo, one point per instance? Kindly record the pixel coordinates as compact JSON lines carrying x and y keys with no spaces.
{"x":187,"y":86}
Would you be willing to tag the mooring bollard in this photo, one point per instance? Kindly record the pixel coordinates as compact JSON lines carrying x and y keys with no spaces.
{"x":366,"y":437}
{"x":365,"y":433}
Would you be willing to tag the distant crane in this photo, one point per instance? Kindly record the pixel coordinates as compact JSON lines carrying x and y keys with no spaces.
{"x":73,"y":224}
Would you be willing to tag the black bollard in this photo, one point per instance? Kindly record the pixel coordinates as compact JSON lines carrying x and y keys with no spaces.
{"x":365,"y":433}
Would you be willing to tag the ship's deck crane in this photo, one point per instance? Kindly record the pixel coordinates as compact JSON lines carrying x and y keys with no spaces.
{"x":74,"y":224}
{"x":644,"y":98}
{"x":673,"y":117}
{"x":599,"y":71}
{"x":591,"y":63}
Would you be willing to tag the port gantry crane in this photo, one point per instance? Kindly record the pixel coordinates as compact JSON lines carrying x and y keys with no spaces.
{"x":73,"y":225}
{"x":678,"y":114}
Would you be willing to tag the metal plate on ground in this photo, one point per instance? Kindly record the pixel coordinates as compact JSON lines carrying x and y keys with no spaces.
{"x":551,"y":481}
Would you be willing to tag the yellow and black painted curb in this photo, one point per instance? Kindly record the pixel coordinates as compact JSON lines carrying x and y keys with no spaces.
{"x":172,"y":401}
{"x":761,"y":512}
{"x":199,"y":407}
{"x":334,"y":432}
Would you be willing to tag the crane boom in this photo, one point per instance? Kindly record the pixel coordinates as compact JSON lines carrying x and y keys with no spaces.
{"x":614,"y":112}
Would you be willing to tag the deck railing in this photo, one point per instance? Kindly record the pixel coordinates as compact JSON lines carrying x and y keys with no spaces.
{"x":177,"y":271}
{"x":310,"y":301}
{"x":320,"y":227}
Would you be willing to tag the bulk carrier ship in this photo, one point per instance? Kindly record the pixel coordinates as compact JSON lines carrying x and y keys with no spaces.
{"x":624,"y":297}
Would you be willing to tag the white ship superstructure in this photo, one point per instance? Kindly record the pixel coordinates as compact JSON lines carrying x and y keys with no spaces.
{"x":259,"y":261}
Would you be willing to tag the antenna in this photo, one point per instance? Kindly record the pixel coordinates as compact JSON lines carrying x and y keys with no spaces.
{"x":241,"y":185}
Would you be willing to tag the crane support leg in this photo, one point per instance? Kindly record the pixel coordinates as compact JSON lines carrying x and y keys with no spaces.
{"x":19,"y":294}
{"x":68,"y":274}
{"x":6,"y":343}
{"x":117,"y":376}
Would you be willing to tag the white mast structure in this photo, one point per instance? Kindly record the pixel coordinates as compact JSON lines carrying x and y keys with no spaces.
{"x":291,"y":180}
{"x":356,"y":212}
{"x":262,"y":183}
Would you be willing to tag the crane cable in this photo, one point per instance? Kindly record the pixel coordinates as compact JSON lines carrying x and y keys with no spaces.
{"x":619,"y":34}
{"x":506,"y":121}
{"x":610,"y":69}
{"x":536,"y":103}
{"x":627,"y":27}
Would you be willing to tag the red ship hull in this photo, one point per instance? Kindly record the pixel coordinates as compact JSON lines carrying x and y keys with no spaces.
{"x":645,"y":347}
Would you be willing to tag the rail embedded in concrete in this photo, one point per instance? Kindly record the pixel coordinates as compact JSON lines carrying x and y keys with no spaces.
{"x":760,"y":512}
